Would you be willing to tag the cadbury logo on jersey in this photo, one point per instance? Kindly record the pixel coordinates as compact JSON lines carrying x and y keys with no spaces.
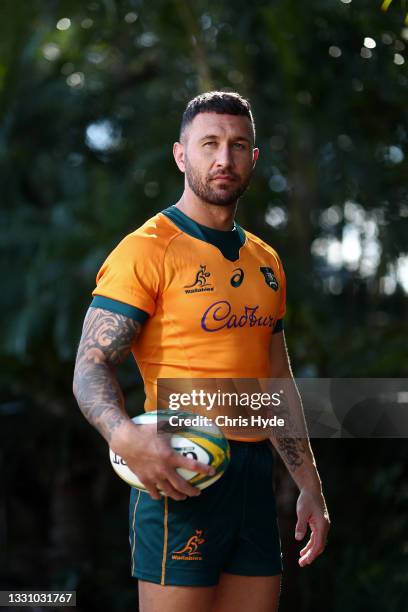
{"x":270,"y":278}
{"x":201,"y":282}
{"x":219,"y":316}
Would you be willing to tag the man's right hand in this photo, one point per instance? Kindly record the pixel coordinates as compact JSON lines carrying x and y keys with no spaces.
{"x":152,"y":459}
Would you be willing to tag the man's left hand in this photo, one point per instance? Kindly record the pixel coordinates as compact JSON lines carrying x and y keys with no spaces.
{"x":311,"y":510}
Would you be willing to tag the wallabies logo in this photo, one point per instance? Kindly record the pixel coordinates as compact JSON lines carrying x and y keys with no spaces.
{"x":201,"y":282}
{"x":190,"y":551}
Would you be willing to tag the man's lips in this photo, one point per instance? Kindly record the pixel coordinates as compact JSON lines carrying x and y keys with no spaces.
{"x":223,"y":177}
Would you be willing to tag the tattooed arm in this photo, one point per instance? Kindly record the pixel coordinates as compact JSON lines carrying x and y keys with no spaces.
{"x":293,"y":446}
{"x":106,"y":341}
{"x":296,"y":452}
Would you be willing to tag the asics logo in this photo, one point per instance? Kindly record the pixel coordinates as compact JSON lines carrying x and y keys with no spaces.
{"x":237,"y":277}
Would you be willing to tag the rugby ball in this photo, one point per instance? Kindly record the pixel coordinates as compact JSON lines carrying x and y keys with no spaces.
{"x":203,"y":442}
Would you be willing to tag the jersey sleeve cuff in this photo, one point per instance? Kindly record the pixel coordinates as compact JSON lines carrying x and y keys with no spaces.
{"x":137,"y":314}
{"x":278,"y":326}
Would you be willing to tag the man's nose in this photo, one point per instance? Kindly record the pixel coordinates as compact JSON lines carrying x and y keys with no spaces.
{"x":224,"y":158}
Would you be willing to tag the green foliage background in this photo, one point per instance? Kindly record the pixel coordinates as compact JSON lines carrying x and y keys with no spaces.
{"x":332,"y":129}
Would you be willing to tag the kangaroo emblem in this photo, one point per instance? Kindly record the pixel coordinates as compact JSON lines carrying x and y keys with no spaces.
{"x":190,"y":548}
{"x":201,"y":278}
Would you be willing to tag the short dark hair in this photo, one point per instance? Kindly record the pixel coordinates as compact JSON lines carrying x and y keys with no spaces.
{"x":220,"y":102}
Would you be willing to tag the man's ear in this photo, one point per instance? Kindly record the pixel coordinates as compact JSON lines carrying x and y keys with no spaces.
{"x":178,"y":152}
{"x":255,"y":155}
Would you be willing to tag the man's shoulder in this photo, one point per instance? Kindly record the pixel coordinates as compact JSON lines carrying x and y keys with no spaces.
{"x":260,"y":245}
{"x":157,"y":228}
{"x":152,"y":237}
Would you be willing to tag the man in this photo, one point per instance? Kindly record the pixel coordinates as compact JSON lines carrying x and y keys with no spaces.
{"x":164,"y":293}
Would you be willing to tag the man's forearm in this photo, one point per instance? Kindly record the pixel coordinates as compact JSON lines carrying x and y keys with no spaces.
{"x":105,"y":343}
{"x":100,"y":397}
{"x":294,"y":445}
{"x":298,"y":457}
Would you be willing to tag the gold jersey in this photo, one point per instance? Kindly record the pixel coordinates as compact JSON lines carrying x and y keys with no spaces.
{"x":204,"y":315}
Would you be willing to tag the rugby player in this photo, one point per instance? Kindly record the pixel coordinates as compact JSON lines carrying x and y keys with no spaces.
{"x":165,"y":294}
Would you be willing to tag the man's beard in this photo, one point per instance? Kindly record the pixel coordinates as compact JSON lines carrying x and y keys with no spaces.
{"x":205,"y":192}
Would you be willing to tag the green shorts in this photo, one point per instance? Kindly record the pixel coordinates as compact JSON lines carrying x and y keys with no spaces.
{"x":231,"y":527}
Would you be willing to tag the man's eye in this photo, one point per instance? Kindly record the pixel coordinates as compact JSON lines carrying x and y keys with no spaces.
{"x":239,"y":145}
{"x":210,"y":142}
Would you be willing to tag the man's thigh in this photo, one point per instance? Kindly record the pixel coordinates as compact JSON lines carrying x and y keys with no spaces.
{"x":243,"y":593}
{"x":247,"y":593}
{"x":158,"y":598}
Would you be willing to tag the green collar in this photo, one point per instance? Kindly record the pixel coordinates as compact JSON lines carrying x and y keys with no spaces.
{"x":228,"y":242}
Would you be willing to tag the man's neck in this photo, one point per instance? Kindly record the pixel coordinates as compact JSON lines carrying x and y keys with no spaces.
{"x":210,"y":215}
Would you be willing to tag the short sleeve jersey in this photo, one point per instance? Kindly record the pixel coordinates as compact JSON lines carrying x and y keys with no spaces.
{"x":207,"y":316}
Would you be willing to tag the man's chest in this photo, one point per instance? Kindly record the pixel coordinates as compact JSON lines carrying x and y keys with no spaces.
{"x":207,"y":290}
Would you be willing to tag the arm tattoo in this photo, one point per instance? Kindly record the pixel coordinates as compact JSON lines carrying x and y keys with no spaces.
{"x":291,"y":447}
{"x":291,"y":451}
{"x":105,"y":343}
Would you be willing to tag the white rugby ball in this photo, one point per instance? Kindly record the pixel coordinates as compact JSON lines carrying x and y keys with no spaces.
{"x":204,"y":443}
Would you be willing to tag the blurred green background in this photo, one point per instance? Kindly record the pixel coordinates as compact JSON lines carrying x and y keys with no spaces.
{"x":91,"y":95}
